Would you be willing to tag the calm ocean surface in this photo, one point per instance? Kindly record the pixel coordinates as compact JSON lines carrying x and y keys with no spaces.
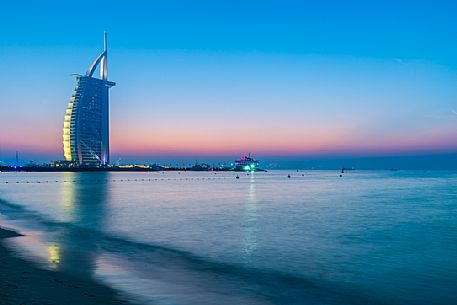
{"x":369,"y":237}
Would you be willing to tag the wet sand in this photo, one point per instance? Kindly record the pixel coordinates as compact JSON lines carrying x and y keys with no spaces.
{"x":23,"y":283}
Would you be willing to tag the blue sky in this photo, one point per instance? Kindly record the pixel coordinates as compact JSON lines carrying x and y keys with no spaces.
{"x":219,"y":78}
{"x":422,"y":30}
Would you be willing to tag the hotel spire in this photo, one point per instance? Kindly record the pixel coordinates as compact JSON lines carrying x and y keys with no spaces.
{"x":104,"y":63}
{"x":101,"y":60}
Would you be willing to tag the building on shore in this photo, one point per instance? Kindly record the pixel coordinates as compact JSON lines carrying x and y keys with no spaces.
{"x":86,"y":125}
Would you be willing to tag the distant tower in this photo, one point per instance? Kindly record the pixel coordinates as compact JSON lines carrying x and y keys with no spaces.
{"x":86,"y":125}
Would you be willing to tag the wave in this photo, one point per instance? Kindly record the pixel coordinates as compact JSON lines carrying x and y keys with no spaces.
{"x":275,"y":286}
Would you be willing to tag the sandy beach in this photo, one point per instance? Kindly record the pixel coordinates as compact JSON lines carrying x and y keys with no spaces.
{"x":23,"y":283}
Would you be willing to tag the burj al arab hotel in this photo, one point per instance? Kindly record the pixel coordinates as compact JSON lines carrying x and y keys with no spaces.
{"x":86,"y":125}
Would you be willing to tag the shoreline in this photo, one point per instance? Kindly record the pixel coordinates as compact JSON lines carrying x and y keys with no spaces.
{"x":23,"y":283}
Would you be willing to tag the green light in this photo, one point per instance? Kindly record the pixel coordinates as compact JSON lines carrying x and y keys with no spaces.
{"x":247,"y":167}
{"x":252,"y":165}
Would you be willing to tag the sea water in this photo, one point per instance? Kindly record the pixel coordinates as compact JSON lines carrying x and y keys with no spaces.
{"x":368,"y":237}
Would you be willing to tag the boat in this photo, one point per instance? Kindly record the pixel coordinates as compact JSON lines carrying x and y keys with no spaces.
{"x":247,"y":164}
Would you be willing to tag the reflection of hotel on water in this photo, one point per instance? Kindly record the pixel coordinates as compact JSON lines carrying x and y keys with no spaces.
{"x":82,"y":205}
{"x":65,"y":244}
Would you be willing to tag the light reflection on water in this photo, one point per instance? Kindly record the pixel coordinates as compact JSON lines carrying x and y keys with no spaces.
{"x":250,"y":217}
{"x":54,"y":256}
{"x":67,"y":198}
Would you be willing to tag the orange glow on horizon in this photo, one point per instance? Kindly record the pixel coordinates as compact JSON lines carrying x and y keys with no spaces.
{"x":292,"y":139}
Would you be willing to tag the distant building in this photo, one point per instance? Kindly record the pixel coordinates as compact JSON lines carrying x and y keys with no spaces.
{"x":86,"y":125}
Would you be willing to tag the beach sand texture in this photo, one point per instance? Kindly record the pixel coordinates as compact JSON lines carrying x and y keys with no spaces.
{"x":23,"y":283}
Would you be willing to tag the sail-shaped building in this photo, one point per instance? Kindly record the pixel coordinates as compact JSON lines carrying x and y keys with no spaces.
{"x":86,"y":125}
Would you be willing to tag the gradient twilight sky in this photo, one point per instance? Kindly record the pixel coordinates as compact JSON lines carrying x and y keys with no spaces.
{"x":218,"y":78}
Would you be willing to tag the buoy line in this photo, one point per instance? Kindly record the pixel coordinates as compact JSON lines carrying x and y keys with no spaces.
{"x":114,"y":180}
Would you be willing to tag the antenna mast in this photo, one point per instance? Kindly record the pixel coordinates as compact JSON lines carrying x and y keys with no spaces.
{"x":104,"y":60}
